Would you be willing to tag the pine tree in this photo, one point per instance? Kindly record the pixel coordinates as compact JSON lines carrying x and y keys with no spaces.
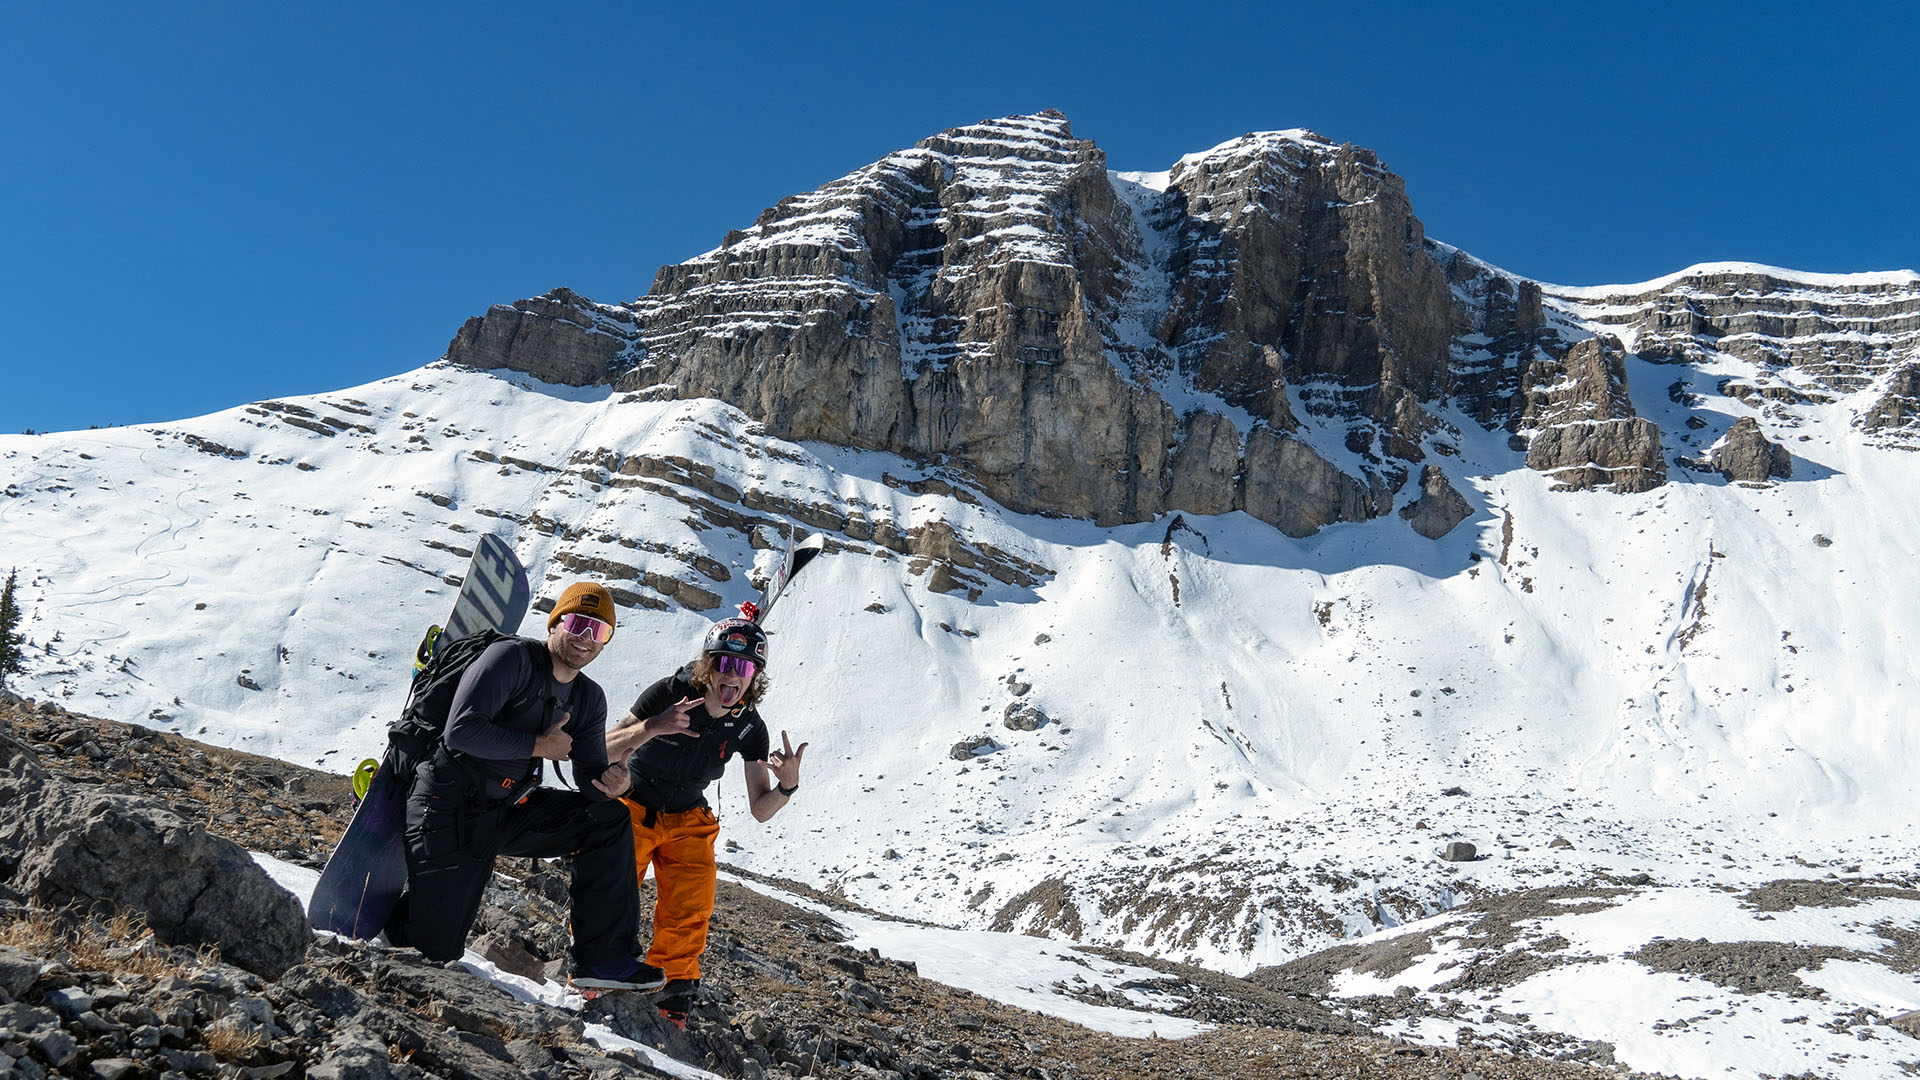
{"x":10,"y":639}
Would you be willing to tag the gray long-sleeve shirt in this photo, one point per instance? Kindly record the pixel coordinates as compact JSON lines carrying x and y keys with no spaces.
{"x":498,"y":741}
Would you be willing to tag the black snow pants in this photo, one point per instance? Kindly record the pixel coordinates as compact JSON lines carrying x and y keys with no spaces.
{"x":454,"y":834}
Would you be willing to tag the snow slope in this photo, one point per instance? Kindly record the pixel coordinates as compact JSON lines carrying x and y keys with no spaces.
{"x":1621,"y":979}
{"x":1250,"y":737}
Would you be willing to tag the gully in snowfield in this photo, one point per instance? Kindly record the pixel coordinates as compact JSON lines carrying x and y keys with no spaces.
{"x":696,"y":719}
{"x":478,"y":796}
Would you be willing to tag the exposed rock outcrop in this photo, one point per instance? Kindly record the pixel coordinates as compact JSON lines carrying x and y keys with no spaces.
{"x":1023,"y":716}
{"x":1439,"y":508}
{"x":1580,"y":423}
{"x":561,"y":337}
{"x":995,"y":298}
{"x":1747,"y":456}
{"x":1897,"y":411}
{"x":67,"y":845}
{"x":1501,"y":331}
{"x":1812,"y":338}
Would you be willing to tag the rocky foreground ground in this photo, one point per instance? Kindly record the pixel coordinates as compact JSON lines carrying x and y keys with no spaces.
{"x":136,"y":943}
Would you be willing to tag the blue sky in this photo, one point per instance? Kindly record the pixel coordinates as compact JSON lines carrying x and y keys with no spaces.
{"x":204,"y":205}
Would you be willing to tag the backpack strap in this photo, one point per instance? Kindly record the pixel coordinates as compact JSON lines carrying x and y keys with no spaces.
{"x":538,"y":680}
{"x":537,"y":683}
{"x":571,"y":707}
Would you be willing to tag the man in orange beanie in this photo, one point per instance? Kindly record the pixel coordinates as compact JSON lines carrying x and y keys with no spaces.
{"x":478,"y":796}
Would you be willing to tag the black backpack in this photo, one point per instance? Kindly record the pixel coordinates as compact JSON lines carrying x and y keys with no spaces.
{"x":413,"y":738}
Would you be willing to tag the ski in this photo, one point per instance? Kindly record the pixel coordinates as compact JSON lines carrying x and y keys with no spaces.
{"x":365,"y":874}
{"x":797,"y":557}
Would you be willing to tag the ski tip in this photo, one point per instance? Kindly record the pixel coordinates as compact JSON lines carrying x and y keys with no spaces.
{"x":749,"y":611}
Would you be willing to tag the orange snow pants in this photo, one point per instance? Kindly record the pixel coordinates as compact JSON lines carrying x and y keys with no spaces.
{"x":679,"y":847}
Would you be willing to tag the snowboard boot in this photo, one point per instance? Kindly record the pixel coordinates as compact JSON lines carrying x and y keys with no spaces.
{"x":675,"y":999}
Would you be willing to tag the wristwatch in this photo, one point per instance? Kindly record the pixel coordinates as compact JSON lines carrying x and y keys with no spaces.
{"x":787,"y":791}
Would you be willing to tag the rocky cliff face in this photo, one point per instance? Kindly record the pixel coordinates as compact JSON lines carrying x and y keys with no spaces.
{"x":1580,"y":424}
{"x":1070,"y":342}
{"x":1081,"y":343}
{"x":1296,"y":261}
{"x":561,"y":337}
{"x":1263,"y":328}
{"x":1812,"y":338}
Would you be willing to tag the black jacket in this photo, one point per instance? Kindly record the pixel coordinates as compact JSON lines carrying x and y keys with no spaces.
{"x":671,"y":772}
{"x":496,"y":742}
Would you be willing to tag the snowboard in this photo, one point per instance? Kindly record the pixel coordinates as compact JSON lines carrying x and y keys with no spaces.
{"x":367,"y":871}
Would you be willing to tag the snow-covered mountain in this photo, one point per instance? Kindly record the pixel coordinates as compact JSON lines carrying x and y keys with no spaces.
{"x":1118,"y":720}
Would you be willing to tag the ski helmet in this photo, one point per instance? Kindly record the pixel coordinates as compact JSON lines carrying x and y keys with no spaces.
{"x":737,"y":637}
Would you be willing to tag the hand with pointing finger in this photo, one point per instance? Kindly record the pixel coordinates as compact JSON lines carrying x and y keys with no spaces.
{"x":673,"y":720}
{"x":633,"y":732}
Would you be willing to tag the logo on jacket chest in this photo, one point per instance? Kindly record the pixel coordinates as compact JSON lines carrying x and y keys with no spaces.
{"x":723,"y":734}
{"x":728,"y":732}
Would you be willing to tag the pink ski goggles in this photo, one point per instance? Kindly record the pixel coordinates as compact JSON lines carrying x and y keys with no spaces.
{"x":734,"y":665}
{"x":586,"y":626}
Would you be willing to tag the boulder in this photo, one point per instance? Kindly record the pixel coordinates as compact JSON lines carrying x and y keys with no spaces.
{"x":1020,"y":716}
{"x":1745,"y":455}
{"x":353,"y":1055}
{"x":968,"y":749}
{"x":1439,"y":508}
{"x":17,"y":972}
{"x":66,"y":844}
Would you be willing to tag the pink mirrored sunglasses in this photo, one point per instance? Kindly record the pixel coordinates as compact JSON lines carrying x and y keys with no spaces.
{"x":586,"y":626}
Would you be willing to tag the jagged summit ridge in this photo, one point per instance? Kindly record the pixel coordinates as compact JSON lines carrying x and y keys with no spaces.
{"x":1301,"y":265}
{"x":898,"y":230}
{"x":1073,"y":346}
{"x":1264,"y":327}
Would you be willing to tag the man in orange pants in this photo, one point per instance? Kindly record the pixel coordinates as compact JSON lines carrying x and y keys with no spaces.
{"x":676,"y":740}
